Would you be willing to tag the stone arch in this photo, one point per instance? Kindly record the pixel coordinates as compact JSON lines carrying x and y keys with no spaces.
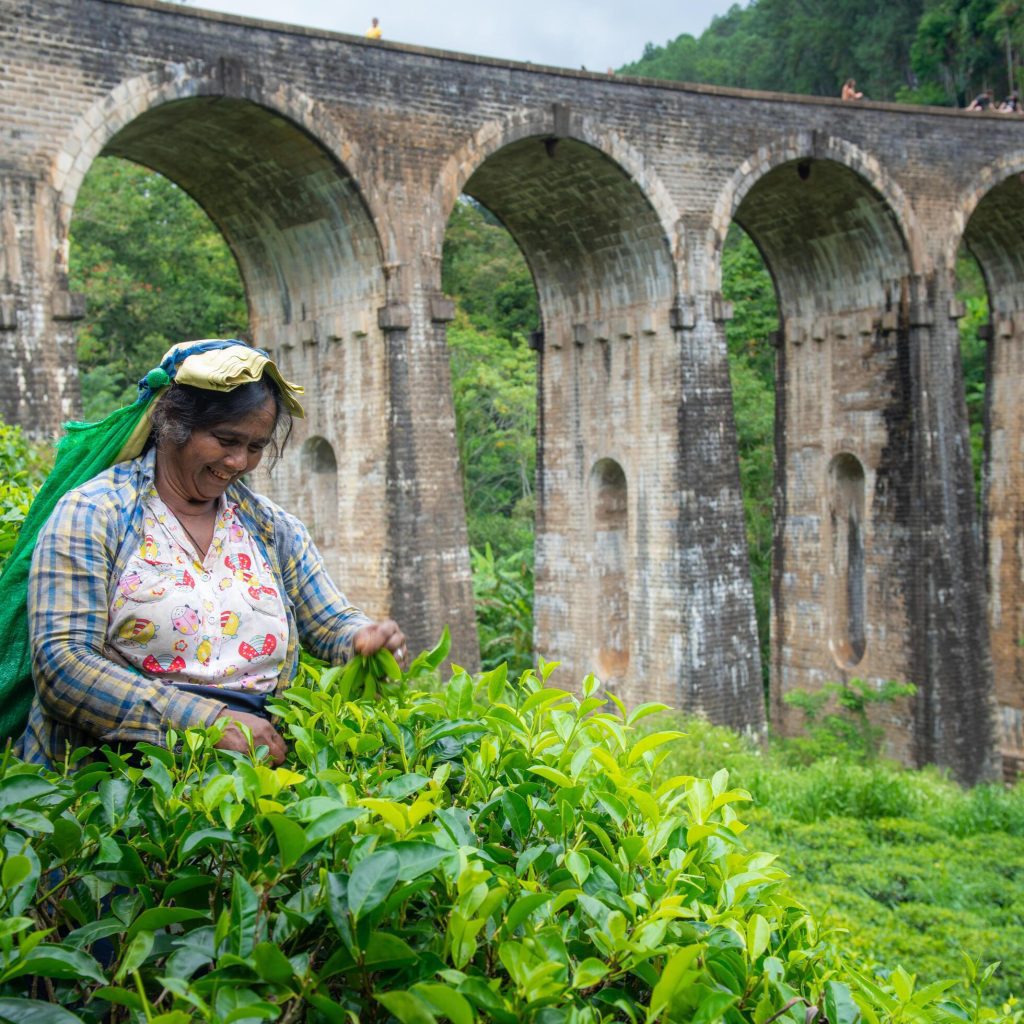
{"x":594,"y":222}
{"x":495,"y":135}
{"x":229,"y":114}
{"x":988,"y":218}
{"x":872,"y":215}
{"x":126,"y":102}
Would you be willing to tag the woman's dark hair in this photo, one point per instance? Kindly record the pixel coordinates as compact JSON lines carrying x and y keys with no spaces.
{"x":184,"y":408}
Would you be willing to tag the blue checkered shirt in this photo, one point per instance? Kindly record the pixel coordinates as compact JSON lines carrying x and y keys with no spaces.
{"x":85,"y":693}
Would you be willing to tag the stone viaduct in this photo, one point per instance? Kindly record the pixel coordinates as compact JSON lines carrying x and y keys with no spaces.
{"x":331,"y":165}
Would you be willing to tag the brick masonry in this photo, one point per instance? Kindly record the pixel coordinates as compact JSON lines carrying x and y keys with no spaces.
{"x":331,"y":164}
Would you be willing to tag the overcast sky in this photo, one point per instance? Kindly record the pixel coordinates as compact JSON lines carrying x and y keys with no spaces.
{"x":596,"y":34}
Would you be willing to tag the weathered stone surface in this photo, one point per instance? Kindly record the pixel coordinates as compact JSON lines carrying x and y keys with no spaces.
{"x":331,"y":164}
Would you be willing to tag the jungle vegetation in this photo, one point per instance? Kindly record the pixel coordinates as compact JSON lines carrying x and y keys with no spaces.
{"x":939,"y":52}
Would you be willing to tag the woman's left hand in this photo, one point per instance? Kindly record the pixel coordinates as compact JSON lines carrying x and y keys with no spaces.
{"x":386,"y":633}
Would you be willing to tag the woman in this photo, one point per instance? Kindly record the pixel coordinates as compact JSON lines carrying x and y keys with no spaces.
{"x":163,"y":593}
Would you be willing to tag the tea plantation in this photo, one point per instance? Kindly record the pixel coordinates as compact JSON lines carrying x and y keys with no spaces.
{"x":496,"y":849}
{"x":484,"y":850}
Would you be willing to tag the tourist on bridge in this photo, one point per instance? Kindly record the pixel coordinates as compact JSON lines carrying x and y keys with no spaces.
{"x":850,"y":90}
{"x":374,"y":31}
{"x":983,"y":101}
{"x":163,"y":593}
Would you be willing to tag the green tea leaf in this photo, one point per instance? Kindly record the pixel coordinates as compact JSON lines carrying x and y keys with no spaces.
{"x":135,"y":954}
{"x":371,"y":881}
{"x":387,"y":950}
{"x":445,"y":1001}
{"x":551,"y":774}
{"x":839,"y":1005}
{"x":160,"y":917}
{"x":291,"y":839}
{"x":407,"y":1007}
{"x":46,"y":961}
{"x":34,"y":1011}
{"x":517,"y":810}
{"x":589,"y":972}
{"x":459,"y":696}
{"x":271,"y":964}
{"x":245,"y":906}
{"x":21,"y":789}
{"x":15,"y":870}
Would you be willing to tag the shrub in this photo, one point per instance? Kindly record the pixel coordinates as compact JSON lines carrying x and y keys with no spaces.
{"x":493,"y":852}
{"x":503,"y":588}
{"x":23,"y":467}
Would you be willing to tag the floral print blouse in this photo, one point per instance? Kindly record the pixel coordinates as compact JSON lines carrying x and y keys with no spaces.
{"x":215,"y":621}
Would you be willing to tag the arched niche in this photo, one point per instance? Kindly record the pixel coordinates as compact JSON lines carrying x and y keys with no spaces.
{"x":609,"y":512}
{"x":320,"y":470}
{"x":845,"y":551}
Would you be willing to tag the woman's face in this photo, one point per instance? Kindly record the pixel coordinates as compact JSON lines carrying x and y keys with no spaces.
{"x":214,"y":457}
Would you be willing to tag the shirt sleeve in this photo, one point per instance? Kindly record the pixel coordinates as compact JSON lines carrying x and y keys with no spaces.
{"x":327,"y":622}
{"x":68,"y":616}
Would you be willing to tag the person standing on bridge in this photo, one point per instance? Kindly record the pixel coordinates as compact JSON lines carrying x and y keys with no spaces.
{"x":850,"y":90}
{"x":374,"y":31}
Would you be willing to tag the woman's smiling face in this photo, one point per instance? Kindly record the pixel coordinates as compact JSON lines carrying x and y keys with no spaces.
{"x":214,"y":457}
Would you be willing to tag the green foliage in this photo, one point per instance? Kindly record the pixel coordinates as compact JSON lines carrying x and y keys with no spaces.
{"x":916,"y":51}
{"x":504,"y":607}
{"x":837,"y":719}
{"x":486,"y":272}
{"x":154,"y":270}
{"x":494,"y":852}
{"x":23,"y":467}
{"x":495,"y":394}
{"x":957,"y":48}
{"x":747,"y":284}
{"x":908,"y":865}
{"x":494,"y":376}
{"x":972,"y":292}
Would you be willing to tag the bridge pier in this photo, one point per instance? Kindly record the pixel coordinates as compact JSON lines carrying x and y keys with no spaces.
{"x":38,"y":365}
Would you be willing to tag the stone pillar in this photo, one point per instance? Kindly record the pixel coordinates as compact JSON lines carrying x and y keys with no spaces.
{"x":843,"y":581}
{"x":431,"y":582}
{"x":38,"y":365}
{"x":1003,"y":491}
{"x":642,"y":572}
{"x":954,"y":710}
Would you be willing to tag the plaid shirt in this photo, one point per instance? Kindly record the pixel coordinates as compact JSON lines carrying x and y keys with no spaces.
{"x":85,"y":693}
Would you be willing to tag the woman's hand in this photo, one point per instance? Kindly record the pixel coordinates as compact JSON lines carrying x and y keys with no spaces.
{"x":263,"y":735}
{"x":370,"y":639}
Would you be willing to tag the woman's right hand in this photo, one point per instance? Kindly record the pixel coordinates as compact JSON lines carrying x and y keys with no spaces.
{"x":263,"y":735}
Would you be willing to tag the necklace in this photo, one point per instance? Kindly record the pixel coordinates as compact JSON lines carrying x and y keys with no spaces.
{"x":199,"y":547}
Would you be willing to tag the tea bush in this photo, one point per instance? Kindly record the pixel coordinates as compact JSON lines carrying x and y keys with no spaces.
{"x":23,"y":467}
{"x":911,"y":866}
{"x":494,"y":852}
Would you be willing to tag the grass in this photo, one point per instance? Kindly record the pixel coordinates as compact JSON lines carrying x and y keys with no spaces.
{"x":915,"y":870}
